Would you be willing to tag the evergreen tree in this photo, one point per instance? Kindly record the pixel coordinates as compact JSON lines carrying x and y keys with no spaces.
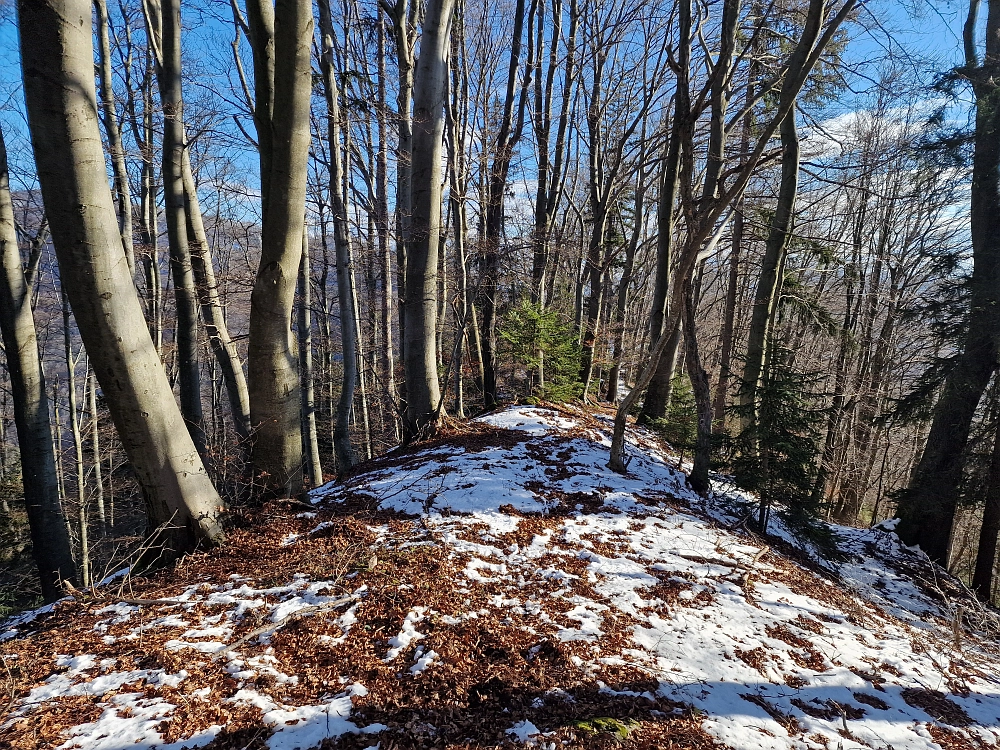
{"x":775,"y":455}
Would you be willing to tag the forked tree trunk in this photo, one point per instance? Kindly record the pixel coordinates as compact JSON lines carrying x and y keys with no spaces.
{"x":282,"y":37}
{"x":57,"y":57}
{"x":50,"y":541}
{"x":423,"y":393}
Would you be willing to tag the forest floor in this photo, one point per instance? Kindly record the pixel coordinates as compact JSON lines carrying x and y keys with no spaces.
{"x":500,"y":587}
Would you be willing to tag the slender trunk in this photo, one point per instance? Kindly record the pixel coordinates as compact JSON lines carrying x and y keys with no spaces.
{"x":185,"y":297}
{"x":768,"y":294}
{"x":343,"y":450}
{"x":77,"y":435}
{"x":729,"y":314}
{"x":123,"y":193}
{"x":95,"y":446}
{"x":654,"y":405}
{"x":212,"y":311}
{"x":403,"y":19}
{"x":382,"y":226}
{"x":50,"y":542}
{"x":57,"y":55}
{"x":508,"y":135}
{"x":309,"y":434}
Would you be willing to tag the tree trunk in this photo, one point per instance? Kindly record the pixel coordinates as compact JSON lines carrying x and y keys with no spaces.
{"x":508,"y":135}
{"x":95,"y":446}
{"x":982,"y":578}
{"x":382,"y":225}
{"x":50,"y":543}
{"x":423,"y":394}
{"x":77,"y":435}
{"x":123,"y":193}
{"x":309,"y":434}
{"x":282,"y":74}
{"x":57,"y":57}
{"x":403,"y":15}
{"x":927,"y":509}
{"x":769,"y":284}
{"x":212,"y":311}
{"x":342,"y":241}
{"x":185,"y":297}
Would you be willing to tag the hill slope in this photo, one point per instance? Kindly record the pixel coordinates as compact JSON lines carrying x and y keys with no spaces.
{"x":502,"y":588}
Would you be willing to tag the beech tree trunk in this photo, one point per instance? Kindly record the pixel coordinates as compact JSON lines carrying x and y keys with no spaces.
{"x":423,"y":392}
{"x":342,"y":242}
{"x":185,"y":297}
{"x":50,"y":543}
{"x":57,"y":57}
{"x":282,"y":37}
{"x":309,"y":435}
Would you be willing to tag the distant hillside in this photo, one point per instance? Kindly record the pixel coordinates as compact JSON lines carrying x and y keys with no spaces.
{"x":500,"y":587}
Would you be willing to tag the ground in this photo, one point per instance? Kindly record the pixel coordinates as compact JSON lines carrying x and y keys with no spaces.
{"x":500,"y":587}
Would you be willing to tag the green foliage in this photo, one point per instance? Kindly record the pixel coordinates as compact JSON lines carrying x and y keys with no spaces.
{"x":533,"y":337}
{"x":775,"y":455}
{"x":679,"y":426}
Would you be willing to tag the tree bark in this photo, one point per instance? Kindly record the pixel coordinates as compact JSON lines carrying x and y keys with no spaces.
{"x":342,"y":242}
{"x":283,"y":84}
{"x":123,"y":193}
{"x":185,"y":298}
{"x":50,"y":543}
{"x":57,"y":57}
{"x":309,"y":435}
{"x":508,"y":135}
{"x":772,"y":267}
{"x":423,"y":393}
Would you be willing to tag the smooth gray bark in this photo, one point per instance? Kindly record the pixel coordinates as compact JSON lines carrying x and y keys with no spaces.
{"x":423,"y":393}
{"x":168,"y":70}
{"x":212,"y":311}
{"x":50,"y":543}
{"x":343,"y":451}
{"x":123,"y":193}
{"x":57,"y":57}
{"x":282,"y":37}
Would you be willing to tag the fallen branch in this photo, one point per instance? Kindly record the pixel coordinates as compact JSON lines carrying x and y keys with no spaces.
{"x":296,"y":615}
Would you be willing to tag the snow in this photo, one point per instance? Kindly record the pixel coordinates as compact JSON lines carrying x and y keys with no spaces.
{"x":731,"y":598}
{"x":634,"y":571}
{"x":307,"y":726}
{"x":523,"y":730}
{"x":407,"y":635}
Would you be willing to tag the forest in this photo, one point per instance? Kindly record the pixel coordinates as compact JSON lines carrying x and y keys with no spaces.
{"x":249,"y":246}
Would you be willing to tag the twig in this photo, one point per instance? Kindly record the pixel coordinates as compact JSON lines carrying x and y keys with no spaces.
{"x":296,"y":615}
